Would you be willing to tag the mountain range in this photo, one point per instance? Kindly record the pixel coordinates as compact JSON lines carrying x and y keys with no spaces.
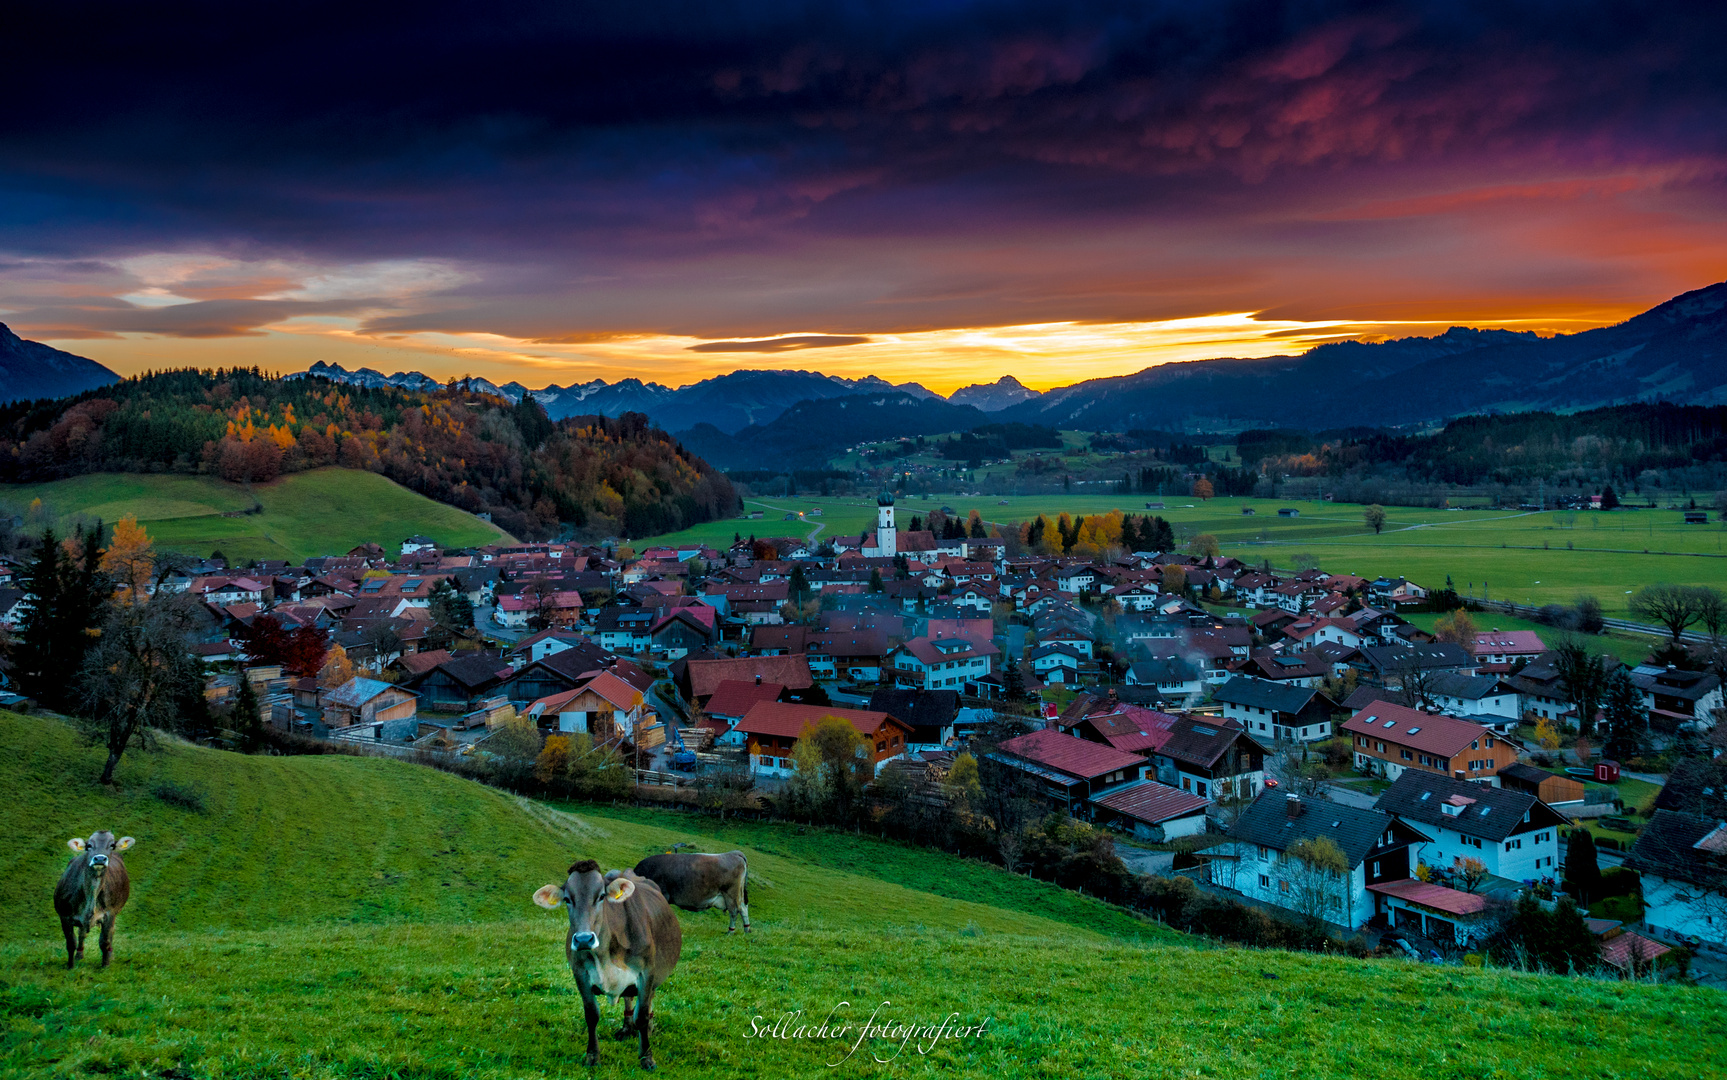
{"x":30,"y":370}
{"x":1675,"y":352}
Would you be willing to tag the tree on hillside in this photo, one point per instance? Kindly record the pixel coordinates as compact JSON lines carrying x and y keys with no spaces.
{"x":976,"y":530}
{"x":1609,"y":498}
{"x":1374,"y":516}
{"x":141,"y":675}
{"x":1202,"y":489}
{"x":1673,"y":606}
{"x":1558,"y":941}
{"x":1589,"y":617}
{"x":246,"y":722}
{"x":1585,"y":681}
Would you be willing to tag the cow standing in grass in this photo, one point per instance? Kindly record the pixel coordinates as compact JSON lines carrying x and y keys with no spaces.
{"x":92,"y":890}
{"x":696,"y":882}
{"x":624,"y":942}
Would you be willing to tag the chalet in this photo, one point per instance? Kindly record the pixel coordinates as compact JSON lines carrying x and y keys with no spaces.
{"x":683,"y":630}
{"x":1056,"y":664}
{"x":604,"y":707}
{"x":1674,"y":696}
{"x":625,"y":629}
{"x":453,"y":685}
{"x":1258,"y":864}
{"x":1483,"y":698}
{"x":700,"y":677}
{"x":1389,"y":740}
{"x":554,"y":673}
{"x":387,"y":709}
{"x":1540,"y":690}
{"x":1307,"y":669}
{"x":1277,"y":711}
{"x":1682,"y":858}
{"x":1514,"y":834}
{"x":940,"y":663}
{"x":1071,"y":772}
{"x":1393,"y":665}
{"x":928,"y":713}
{"x":415,"y":544}
{"x":771,"y":729}
{"x":1306,"y":633}
{"x":1498,"y":651}
{"x":1445,"y":916}
{"x":731,"y":701}
{"x":1174,"y":678}
{"x":1551,"y":788}
{"x":1390,"y":592}
{"x":1212,"y":757}
{"x":1152,"y":811}
{"x":856,"y":655}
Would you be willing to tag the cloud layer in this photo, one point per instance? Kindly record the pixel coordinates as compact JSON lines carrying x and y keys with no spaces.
{"x":756,"y":181}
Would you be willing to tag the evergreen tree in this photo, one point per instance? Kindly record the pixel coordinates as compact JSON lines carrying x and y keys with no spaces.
{"x":1014,"y":679}
{"x":69,"y":600}
{"x":875,"y":582}
{"x":1622,"y":709}
{"x":977,"y":532}
{"x":1129,"y":534}
{"x":916,"y":524}
{"x":1609,"y":498}
{"x":1582,"y":870}
{"x":799,"y":585}
{"x":35,"y":652}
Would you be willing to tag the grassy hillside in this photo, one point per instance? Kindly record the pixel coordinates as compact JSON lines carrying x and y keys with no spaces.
{"x":1510,"y":555}
{"x":319,"y":512}
{"x":335,"y":917}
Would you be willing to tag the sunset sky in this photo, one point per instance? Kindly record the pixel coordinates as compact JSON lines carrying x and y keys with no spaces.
{"x":939,"y":192}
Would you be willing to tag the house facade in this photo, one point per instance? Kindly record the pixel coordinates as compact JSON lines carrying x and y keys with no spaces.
{"x":1388,"y":739}
{"x":1513,"y":834}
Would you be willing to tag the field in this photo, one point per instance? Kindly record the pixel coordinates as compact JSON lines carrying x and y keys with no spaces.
{"x":1632,"y":649}
{"x":1532,"y":558}
{"x":321,"y":512}
{"x":340,"y":917}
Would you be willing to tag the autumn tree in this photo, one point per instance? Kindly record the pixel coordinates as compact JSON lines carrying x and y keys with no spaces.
{"x":1374,"y":516}
{"x":1318,"y":875}
{"x":1470,"y":871}
{"x":1202,"y":489}
{"x":1457,"y":628}
{"x":337,"y":669}
{"x":1202,"y":545}
{"x":129,"y":560}
{"x":1174,"y":579}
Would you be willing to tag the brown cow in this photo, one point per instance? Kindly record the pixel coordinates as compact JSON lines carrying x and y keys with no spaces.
{"x":624,"y":942}
{"x":92,"y":890}
{"x":695,"y":882}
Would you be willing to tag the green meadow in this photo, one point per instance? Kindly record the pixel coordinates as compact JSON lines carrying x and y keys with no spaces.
{"x":347,"y":918}
{"x":1532,"y":558}
{"x":320,"y":512}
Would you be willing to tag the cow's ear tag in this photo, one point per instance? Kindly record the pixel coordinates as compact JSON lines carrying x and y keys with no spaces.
{"x":125,"y":842}
{"x":621,"y":889}
{"x":76,"y":844}
{"x":548,"y":896}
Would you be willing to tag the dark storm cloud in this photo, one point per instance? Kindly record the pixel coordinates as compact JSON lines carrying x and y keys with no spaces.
{"x":614,"y":148}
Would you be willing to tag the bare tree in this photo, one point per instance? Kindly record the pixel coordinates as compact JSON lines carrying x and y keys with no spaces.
{"x":1414,"y":682}
{"x":141,"y":674}
{"x":1673,"y":606}
{"x":1585,"y":680}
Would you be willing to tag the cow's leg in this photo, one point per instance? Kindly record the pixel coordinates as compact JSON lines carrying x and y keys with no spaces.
{"x":83,"y":931}
{"x":107,"y":938}
{"x":645,"y":1016}
{"x":591,"y":1011}
{"x":71,"y":942}
{"x":744,"y":906}
{"x":629,"y":1027}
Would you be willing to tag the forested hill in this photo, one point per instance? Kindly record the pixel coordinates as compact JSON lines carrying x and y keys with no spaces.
{"x":601,"y":476}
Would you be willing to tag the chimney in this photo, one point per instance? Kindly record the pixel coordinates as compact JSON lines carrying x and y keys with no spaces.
{"x":1292,"y":804}
{"x":758,"y":680}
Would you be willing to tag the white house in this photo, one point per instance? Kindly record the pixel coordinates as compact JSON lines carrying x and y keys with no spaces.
{"x":1683,"y":861}
{"x":1475,"y":695}
{"x":1375,"y":847}
{"x":1056,"y":663}
{"x":940,"y":663}
{"x":1514,"y":834}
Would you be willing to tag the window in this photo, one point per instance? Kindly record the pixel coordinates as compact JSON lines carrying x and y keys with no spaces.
{"x":1490,"y":742}
{"x":1264,"y":855}
{"x":1514,"y":845}
{"x":767,"y":760}
{"x":1264,"y":882}
{"x":880,"y":747}
{"x":1407,"y":756}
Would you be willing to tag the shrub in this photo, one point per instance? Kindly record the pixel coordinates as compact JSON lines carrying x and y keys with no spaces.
{"x":181,"y":795}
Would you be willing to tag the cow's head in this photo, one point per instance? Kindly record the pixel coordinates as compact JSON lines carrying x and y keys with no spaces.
{"x":97,"y":850}
{"x":587,"y":892}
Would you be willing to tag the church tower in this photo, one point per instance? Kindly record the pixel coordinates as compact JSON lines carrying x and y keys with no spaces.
{"x":886,"y":544}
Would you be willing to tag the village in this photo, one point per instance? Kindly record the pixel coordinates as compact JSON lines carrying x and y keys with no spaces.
{"x":1289,"y":738}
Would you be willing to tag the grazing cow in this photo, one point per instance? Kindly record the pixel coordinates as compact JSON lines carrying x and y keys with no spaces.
{"x":92,"y":890}
{"x":695,"y":882}
{"x":624,"y":942}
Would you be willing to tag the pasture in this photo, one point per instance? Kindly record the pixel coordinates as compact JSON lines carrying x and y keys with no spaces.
{"x":1531,"y":558}
{"x":341,"y":917}
{"x":319,"y":512}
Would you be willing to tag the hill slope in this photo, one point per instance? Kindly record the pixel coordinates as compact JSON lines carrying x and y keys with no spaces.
{"x":30,"y":370}
{"x":321,"y":512}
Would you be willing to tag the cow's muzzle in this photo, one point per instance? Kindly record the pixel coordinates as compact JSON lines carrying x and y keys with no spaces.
{"x":584,"y":941}
{"x":100,"y":862}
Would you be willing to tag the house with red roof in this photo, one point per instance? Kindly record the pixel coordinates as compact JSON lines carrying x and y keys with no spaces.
{"x":771,"y":729}
{"x":1070,"y":771}
{"x":1152,"y":811}
{"x":1498,"y":651}
{"x":729,"y":704}
{"x":1389,"y":738}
